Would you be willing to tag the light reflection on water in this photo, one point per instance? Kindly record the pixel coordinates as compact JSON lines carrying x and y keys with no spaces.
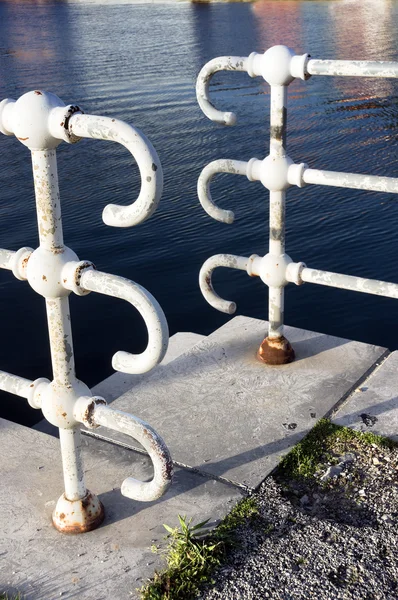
{"x":139,"y":63}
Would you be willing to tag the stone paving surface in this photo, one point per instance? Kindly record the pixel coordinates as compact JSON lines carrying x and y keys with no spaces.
{"x":118,"y":383}
{"x":226,"y":414}
{"x":110,"y":562}
{"x":374,"y":405}
{"x":225,"y":417}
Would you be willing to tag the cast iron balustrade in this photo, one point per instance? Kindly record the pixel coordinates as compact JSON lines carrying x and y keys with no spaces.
{"x":40,"y":121}
{"x":279,"y":66}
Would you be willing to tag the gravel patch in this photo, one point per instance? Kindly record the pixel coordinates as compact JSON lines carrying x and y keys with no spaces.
{"x":332,"y":536}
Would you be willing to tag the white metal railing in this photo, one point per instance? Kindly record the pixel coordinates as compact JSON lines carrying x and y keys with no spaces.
{"x":279,"y":66}
{"x":40,"y":121}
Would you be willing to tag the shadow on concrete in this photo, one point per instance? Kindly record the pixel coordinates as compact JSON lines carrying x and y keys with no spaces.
{"x":186,"y":480}
{"x":367,"y":417}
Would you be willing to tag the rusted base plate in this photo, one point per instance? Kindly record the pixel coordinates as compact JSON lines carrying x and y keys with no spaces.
{"x":275,"y":351}
{"x":78,"y":516}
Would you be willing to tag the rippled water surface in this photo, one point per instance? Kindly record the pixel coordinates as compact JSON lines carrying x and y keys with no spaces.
{"x":139,"y":62}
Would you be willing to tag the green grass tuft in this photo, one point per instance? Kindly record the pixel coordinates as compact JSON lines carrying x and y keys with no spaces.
{"x":246,"y":509}
{"x":322,"y":443}
{"x":193,"y":556}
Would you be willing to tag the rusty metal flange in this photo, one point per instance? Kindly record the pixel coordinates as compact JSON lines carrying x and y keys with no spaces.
{"x":78,"y":516}
{"x":276,"y":351}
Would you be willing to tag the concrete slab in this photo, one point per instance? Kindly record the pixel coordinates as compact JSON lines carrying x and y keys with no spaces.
{"x":225,"y":414}
{"x":373,"y":406}
{"x":118,"y":383}
{"x":110,"y":562}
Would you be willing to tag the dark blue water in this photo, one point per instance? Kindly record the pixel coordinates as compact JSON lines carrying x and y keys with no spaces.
{"x":139,"y":62}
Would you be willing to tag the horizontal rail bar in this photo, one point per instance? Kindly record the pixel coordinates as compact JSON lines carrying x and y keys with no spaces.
{"x":349,"y":282}
{"x":6,"y":257}
{"x":372,"y":183}
{"x":352,"y":68}
{"x":13,"y":384}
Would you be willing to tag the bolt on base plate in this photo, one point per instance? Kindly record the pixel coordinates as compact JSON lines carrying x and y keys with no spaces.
{"x":78,"y":516}
{"x":276,"y":351}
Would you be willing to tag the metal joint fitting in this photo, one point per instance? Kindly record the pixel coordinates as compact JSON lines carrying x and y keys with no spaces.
{"x":252,"y":262}
{"x":6,"y":108}
{"x":36,"y":390}
{"x":273,"y":268}
{"x":84,"y":409}
{"x":294,"y":271}
{"x":20,"y":262}
{"x":272,"y":172}
{"x":58,"y":402}
{"x":295,"y":174}
{"x":279,"y":65}
{"x":59,"y":123}
{"x":72,"y":273}
{"x":298,"y":66}
{"x":30,"y":119}
{"x":45,"y":269}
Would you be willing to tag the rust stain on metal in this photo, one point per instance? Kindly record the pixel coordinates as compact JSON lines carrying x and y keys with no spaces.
{"x":90,"y":522}
{"x":276,"y":351}
{"x":79,"y":271}
{"x":277,"y":132}
{"x":168,"y":469}
{"x":88,"y":416}
{"x":71,"y":111}
{"x":86,"y":501}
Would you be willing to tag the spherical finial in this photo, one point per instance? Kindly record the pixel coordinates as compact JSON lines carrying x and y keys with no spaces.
{"x":276,"y":65}
{"x":30,"y":119}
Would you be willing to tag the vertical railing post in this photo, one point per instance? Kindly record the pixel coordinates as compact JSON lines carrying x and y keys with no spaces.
{"x":279,"y":66}
{"x":275,"y":348}
{"x":41,"y":121}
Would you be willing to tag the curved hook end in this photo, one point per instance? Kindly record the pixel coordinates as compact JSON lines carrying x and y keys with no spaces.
{"x":142,"y":432}
{"x":137,"y":364}
{"x":122,"y":360}
{"x":122,"y":216}
{"x":229,"y":118}
{"x":228,"y":217}
{"x":133,"y":489}
{"x":230,"y":308}
{"x":108,"y":216}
